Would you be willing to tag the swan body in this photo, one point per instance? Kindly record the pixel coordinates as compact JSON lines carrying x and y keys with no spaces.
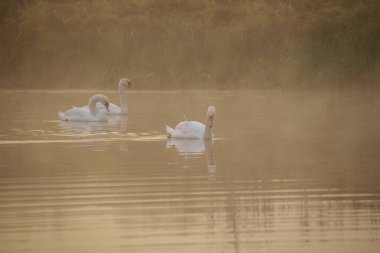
{"x":187,"y":130}
{"x":124,"y":83}
{"x":193,"y":129}
{"x":90,"y":114}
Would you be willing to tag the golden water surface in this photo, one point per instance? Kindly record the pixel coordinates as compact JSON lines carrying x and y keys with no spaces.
{"x":286,"y":172}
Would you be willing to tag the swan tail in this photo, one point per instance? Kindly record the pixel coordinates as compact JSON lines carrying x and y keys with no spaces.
{"x":169,"y":131}
{"x":62,"y":116}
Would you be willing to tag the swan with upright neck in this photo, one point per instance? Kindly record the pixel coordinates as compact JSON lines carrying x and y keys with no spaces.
{"x":194,"y":129}
{"x":124,"y":84}
{"x":90,"y":114}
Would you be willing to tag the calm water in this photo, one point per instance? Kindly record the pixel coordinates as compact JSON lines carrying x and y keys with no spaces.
{"x":287,"y":172}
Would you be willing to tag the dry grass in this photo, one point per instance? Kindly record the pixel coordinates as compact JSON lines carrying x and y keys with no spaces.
{"x":186,"y":44}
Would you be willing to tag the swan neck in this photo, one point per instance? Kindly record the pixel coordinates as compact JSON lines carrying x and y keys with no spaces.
{"x":123,"y":100}
{"x":208,"y":131}
{"x":92,"y":106}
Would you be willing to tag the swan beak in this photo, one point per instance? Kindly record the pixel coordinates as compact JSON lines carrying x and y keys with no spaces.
{"x":211,"y":121}
{"x":106,"y":105}
{"x":130,"y":85}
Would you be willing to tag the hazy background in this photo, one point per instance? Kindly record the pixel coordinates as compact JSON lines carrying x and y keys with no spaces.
{"x":220,"y":44}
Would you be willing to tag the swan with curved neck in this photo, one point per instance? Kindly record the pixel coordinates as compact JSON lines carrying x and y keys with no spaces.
{"x":124,"y":84}
{"x":90,"y":114}
{"x":194,"y":129}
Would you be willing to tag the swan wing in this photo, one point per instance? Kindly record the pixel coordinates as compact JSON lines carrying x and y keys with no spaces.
{"x":61,"y":115}
{"x":80,"y":114}
{"x":169,"y":130}
{"x":189,"y":130}
{"x":114,"y":109}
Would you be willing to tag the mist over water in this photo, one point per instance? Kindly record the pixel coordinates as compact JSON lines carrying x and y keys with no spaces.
{"x":293,"y":165}
{"x":193,"y":44}
{"x":286,"y":172}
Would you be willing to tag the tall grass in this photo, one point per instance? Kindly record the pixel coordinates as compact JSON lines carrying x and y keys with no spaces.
{"x":189,"y":44}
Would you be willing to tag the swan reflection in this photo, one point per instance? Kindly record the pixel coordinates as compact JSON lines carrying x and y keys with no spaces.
{"x":116,"y":126}
{"x":82,"y":127}
{"x":194,"y":147}
{"x":123,"y":121}
{"x":114,"y":123}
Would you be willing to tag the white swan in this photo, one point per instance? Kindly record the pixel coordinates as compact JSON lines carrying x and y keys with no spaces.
{"x":91,"y":114}
{"x":194,"y":129}
{"x":124,"y":83}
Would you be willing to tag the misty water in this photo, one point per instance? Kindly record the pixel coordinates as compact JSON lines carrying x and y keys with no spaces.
{"x":286,"y":172}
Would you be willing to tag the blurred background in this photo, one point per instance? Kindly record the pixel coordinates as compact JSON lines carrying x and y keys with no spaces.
{"x":189,"y":44}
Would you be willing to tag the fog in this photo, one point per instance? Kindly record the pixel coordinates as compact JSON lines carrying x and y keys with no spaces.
{"x":293,"y":162}
{"x":189,"y":44}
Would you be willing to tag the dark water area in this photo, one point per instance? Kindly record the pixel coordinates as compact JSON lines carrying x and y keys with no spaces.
{"x":286,"y":172}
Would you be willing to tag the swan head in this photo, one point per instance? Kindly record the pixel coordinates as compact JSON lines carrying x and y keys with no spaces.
{"x":101,"y":99}
{"x":107,"y":106}
{"x":125,"y":83}
{"x":210,"y":115}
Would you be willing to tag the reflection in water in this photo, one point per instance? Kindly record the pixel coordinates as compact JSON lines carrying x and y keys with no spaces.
{"x":119,"y":123}
{"x":123,"y":121}
{"x":73,"y":127}
{"x":116,"y":127}
{"x":85,"y":130}
{"x":194,"y":147}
